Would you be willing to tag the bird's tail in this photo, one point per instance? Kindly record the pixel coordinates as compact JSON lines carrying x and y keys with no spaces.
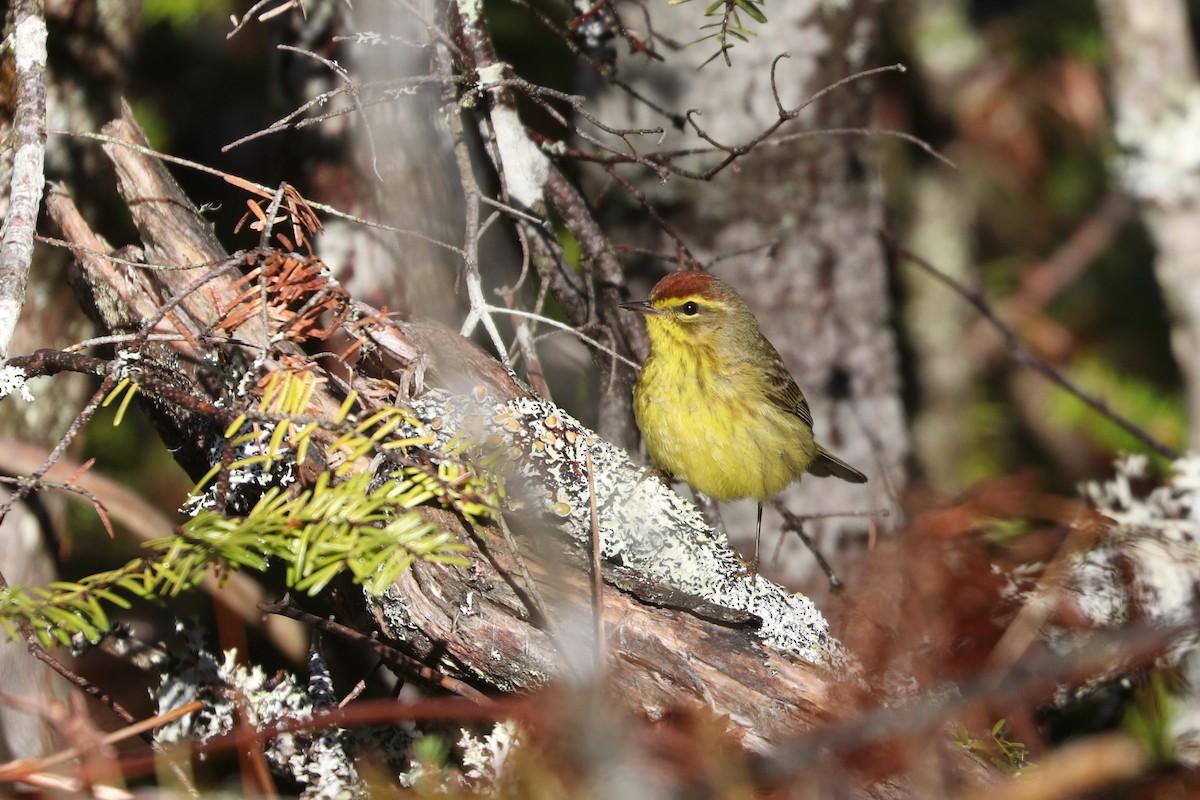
{"x":827,"y":465}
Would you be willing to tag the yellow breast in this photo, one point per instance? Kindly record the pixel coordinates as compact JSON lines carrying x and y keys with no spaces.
{"x":710,"y":424}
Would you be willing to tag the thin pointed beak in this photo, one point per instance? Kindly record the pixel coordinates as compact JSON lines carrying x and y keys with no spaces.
{"x":640,"y":306}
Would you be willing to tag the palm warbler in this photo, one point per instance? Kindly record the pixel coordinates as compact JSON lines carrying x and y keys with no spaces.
{"x":715,"y":403}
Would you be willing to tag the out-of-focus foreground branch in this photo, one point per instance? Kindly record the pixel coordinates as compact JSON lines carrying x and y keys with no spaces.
{"x":1155,"y":91}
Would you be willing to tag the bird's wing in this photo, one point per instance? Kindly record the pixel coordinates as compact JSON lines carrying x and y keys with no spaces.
{"x":783,"y":391}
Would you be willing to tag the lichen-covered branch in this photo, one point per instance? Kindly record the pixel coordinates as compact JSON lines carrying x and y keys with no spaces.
{"x":28,"y":177}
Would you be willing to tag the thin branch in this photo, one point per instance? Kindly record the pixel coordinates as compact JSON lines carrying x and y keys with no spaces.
{"x":16,"y":770}
{"x":886,"y":132}
{"x":663,"y":161}
{"x":264,"y":16}
{"x":526,"y":345}
{"x":78,"y":249}
{"x":28,"y":485}
{"x":296,"y":119}
{"x":266,"y":190}
{"x":42,"y":654}
{"x":574,"y":331}
{"x":355,"y":98}
{"x":1022,"y":353}
{"x":602,"y":70}
{"x":401,"y":660}
{"x":683,"y":253}
{"x":479,"y":311}
{"x":795,"y":524}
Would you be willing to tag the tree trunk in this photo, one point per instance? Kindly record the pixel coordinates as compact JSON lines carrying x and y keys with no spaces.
{"x":1156,"y":96}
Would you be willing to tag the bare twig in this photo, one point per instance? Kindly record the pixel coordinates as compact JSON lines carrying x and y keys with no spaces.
{"x":530,"y":587}
{"x":402,"y":660}
{"x":683,"y":253}
{"x":526,"y":345}
{"x":1023,"y":355}
{"x":78,"y":250}
{"x":238,"y":24}
{"x":602,"y":70}
{"x":795,"y":524}
{"x":16,"y":770}
{"x":42,"y":654}
{"x":28,"y":485}
{"x":734,"y":152}
{"x":589,"y":341}
{"x":479,"y":311}
{"x":266,"y":190}
{"x":353,"y":88}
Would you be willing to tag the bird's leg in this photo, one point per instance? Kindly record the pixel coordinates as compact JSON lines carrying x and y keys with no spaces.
{"x":757,"y":542}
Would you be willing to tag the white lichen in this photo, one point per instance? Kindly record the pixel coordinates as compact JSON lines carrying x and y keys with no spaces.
{"x":1146,"y":568}
{"x":526,"y":168}
{"x":1162,"y":155}
{"x":12,"y":380}
{"x":245,"y":482}
{"x":321,"y":759}
{"x":484,"y":759}
{"x":471,"y":10}
{"x":1151,"y":556}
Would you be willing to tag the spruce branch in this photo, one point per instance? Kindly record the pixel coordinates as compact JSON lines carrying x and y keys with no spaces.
{"x":374,"y":534}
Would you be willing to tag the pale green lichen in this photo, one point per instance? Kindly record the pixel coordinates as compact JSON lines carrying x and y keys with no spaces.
{"x":642,"y":523}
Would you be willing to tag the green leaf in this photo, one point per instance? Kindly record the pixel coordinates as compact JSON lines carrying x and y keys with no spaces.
{"x":749,"y":7}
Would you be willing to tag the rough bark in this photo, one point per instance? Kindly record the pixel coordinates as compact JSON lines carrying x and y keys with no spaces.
{"x":24,"y":559}
{"x":35,"y":298}
{"x":1156,"y":96}
{"x":530,"y":179}
{"x":387,"y":161}
{"x":937,"y":210}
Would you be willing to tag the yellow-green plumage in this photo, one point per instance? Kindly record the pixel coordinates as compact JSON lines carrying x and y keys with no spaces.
{"x":714,"y":402}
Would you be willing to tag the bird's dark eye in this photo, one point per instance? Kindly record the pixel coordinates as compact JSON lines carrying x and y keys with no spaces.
{"x":690,"y":309}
